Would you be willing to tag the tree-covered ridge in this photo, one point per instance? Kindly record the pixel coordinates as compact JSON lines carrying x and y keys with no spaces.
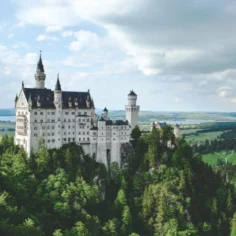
{"x":161,"y":191}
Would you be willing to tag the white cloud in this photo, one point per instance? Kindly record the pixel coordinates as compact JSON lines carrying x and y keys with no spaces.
{"x":53,"y":28}
{"x":44,"y":37}
{"x":67,"y":33}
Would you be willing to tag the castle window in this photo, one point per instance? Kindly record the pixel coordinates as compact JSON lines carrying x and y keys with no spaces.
{"x":64,"y":133}
{"x":35,"y":128}
{"x":35,"y":121}
{"x":79,"y":113}
{"x":94,"y":133}
{"x":68,"y":127}
{"x":64,"y":139}
{"x":85,"y":113}
{"x":53,"y":113}
{"x":83,"y":139}
{"x":69,"y":133}
{"x":79,"y":133}
{"x":69,"y":120}
{"x":67,"y":113}
{"x":48,"y":134}
{"x":52,"y":134}
{"x":35,"y":112}
{"x":35,"y":135}
{"x":88,"y":139}
{"x":53,"y":140}
{"x":72,"y":113}
{"x":52,"y":127}
{"x":114,"y":139}
{"x":43,"y":127}
{"x":83,"y":133}
{"x":88,"y":132}
{"x":65,"y":120}
{"x":88,"y":119}
{"x":48,"y":140}
{"x":79,"y":120}
{"x":41,"y":121}
{"x":41,"y":113}
{"x":63,"y":127}
{"x":53,"y":120}
{"x":48,"y":112}
{"x":58,"y":139}
{"x":79,"y":139}
{"x":43,"y":134}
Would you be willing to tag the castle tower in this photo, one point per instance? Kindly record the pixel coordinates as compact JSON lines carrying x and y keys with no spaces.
{"x":177,"y":131}
{"x":58,"y":94}
{"x":132,"y":110}
{"x":105,"y":113}
{"x":40,"y":76}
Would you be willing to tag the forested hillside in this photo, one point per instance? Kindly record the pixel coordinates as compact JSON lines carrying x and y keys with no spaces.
{"x":160,"y":192}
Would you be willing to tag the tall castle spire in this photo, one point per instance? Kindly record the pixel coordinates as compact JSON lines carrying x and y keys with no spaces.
{"x":58,"y":85}
{"x":40,"y":75}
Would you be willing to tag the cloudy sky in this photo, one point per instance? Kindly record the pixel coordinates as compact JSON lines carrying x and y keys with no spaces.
{"x":176,"y":55}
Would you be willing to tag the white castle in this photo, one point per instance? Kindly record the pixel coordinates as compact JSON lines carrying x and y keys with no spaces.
{"x":60,"y":117}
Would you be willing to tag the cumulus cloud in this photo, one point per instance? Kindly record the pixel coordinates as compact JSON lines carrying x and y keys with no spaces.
{"x":186,"y":48}
{"x":161,"y":36}
{"x":44,"y":37}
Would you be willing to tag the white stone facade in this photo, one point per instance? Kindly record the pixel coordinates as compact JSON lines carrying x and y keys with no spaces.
{"x":60,"y":117}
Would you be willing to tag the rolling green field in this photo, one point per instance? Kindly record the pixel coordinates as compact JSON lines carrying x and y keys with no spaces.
{"x":211,"y":158}
{"x":7,"y":128}
{"x":203,"y":136}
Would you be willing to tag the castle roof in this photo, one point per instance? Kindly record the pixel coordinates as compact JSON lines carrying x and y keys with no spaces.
{"x":132,"y":93}
{"x":46,"y":98}
{"x":40,"y":66}
{"x":116,"y":122}
{"x":105,"y":109}
{"x":94,"y":128}
{"x":162,"y":124}
{"x":58,"y":85}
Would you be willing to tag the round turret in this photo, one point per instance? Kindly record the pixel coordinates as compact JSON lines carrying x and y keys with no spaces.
{"x":132,"y":98}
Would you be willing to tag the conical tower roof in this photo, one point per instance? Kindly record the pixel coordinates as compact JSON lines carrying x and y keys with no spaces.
{"x":40,"y":66}
{"x":58,"y":85}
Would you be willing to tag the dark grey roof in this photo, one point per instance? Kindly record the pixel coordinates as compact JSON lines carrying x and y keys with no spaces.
{"x":94,"y":128}
{"x":58,"y":85}
{"x":132,"y":93}
{"x":116,"y":122}
{"x":40,"y":64}
{"x":162,"y":125}
{"x":46,"y":98}
{"x":105,"y":109}
{"x":102,"y":119}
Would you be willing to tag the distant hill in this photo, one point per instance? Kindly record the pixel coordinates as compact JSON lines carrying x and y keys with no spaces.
{"x":7,"y":112}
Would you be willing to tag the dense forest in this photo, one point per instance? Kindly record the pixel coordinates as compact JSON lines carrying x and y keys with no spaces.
{"x":226,"y":141}
{"x":161,"y":191}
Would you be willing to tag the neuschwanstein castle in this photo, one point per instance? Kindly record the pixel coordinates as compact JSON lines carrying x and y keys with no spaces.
{"x":59,"y":117}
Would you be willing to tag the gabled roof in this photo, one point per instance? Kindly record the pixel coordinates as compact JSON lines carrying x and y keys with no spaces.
{"x":46,"y":98}
{"x":105,"y":109}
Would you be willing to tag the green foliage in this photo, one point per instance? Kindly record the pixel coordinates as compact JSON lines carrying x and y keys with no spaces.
{"x":161,"y":191}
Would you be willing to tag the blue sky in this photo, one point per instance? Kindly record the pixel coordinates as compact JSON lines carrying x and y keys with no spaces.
{"x":176,"y":57}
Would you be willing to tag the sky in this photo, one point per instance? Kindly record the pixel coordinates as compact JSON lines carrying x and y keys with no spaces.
{"x":176,"y":55}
